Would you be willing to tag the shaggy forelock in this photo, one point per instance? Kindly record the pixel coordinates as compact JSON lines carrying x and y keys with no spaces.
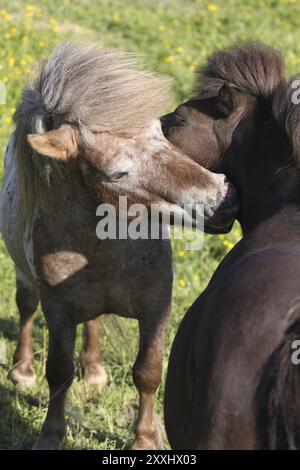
{"x":102,"y":90}
{"x":253,"y":68}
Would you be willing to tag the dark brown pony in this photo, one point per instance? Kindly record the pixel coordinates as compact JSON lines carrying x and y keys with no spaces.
{"x":233,"y":381}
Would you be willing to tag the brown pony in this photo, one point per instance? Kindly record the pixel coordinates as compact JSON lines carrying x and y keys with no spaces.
{"x":86,"y":134}
{"x":233,"y":380}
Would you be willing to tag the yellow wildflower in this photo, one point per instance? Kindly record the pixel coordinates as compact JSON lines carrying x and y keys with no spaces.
{"x":181,"y":253}
{"x":181,"y":282}
{"x":169,"y":59}
{"x":213,"y":7}
{"x":11,"y":62}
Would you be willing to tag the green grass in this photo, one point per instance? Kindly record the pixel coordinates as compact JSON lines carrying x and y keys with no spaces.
{"x":172,"y":37}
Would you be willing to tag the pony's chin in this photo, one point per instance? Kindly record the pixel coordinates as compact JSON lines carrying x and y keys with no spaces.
{"x":218,"y":230}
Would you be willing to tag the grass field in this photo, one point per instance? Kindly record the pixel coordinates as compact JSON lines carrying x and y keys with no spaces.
{"x":173,"y":37}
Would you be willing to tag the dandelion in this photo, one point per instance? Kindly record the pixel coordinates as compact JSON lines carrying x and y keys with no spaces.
{"x":11,"y":62}
{"x":42,"y":44}
{"x":181,"y":253}
{"x":228,"y":244}
{"x":24,"y":40}
{"x":116,"y":18}
{"x":6,"y":16}
{"x":179,"y":49}
{"x":213,"y":7}
{"x":55,"y":29}
{"x":169,"y":59}
{"x":5,"y":79}
{"x":181,"y":282}
{"x":7,"y":120}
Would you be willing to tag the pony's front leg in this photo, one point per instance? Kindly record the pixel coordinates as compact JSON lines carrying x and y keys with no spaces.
{"x":59,"y":372}
{"x":146,"y":376}
{"x":90,"y":358}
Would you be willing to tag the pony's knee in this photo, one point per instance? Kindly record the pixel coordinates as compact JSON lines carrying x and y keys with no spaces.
{"x":147,"y":375}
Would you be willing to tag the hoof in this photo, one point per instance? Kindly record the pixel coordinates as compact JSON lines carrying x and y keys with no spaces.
{"x":23,"y":377}
{"x":153,"y":441}
{"x":46,"y":444}
{"x":143,"y":443}
{"x":95,"y":375}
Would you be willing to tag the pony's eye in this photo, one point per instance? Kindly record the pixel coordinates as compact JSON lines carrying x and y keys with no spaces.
{"x":119,"y":175}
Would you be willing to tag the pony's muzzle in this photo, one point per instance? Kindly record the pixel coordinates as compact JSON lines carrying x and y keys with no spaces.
{"x":220,"y":215}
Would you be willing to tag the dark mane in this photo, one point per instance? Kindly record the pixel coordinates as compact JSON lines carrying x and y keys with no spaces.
{"x":254,"y":68}
{"x":286,"y":110}
{"x":257,"y":70}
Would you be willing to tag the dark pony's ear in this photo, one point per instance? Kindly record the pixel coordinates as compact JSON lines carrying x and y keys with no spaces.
{"x":226,"y":99}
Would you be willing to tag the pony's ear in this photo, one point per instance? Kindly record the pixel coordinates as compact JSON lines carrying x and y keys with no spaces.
{"x":226,"y":99}
{"x":61,"y":144}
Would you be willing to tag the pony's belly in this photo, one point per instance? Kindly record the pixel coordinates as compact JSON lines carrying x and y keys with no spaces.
{"x":112,"y":283}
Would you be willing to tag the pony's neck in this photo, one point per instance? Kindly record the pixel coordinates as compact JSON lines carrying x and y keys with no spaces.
{"x":260,"y":163}
{"x":281,"y":196}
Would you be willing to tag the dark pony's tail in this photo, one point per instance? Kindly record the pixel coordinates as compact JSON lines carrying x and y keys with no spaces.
{"x":277,"y":399}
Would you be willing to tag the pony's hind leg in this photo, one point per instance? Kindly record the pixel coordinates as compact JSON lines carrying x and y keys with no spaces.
{"x":146,"y":376}
{"x":27,"y":299}
{"x":90,"y":358}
